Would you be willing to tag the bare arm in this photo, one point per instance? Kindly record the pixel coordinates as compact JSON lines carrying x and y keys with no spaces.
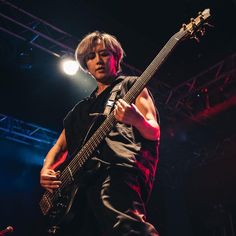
{"x":58,"y":148}
{"x":48,"y":177}
{"x":141,"y":115}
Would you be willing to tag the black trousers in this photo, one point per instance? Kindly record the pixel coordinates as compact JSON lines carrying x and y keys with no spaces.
{"x":111,"y":205}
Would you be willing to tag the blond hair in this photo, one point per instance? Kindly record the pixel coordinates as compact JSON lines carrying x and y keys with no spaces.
{"x":89,"y":42}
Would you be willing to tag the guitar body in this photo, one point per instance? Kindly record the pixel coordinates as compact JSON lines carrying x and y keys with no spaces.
{"x":65,"y":204}
{"x":62,"y":213}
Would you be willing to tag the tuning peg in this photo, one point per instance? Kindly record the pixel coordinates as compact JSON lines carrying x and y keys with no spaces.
{"x":202,"y":31}
{"x":184,"y":26}
{"x":201,"y":16}
{"x":195,"y":38}
{"x":207,"y":24}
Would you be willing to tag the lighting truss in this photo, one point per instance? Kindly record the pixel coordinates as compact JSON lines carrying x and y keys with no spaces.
{"x":219,"y":79}
{"x":37,"y":32}
{"x":26,"y":133}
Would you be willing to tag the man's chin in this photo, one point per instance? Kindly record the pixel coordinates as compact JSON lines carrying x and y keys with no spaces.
{"x":104,"y":79}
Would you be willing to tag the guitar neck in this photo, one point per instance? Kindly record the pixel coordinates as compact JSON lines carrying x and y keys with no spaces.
{"x":142,"y":81}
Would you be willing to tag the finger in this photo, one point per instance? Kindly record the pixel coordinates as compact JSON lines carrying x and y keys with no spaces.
{"x":51,"y":172}
{"x":48,"y":172}
{"x":117,"y":116}
{"x":119,"y":106}
{"x":48,"y":177}
{"x":51,"y":186}
{"x":49,"y":182}
{"x":122,"y":102}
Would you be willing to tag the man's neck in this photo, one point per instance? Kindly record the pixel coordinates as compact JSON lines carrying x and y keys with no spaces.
{"x":105,"y":84}
{"x":101,"y":88}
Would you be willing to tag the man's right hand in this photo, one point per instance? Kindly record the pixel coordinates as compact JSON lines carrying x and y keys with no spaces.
{"x":49,"y":179}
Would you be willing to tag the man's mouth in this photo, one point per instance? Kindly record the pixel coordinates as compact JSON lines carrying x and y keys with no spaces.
{"x":100,"y":69}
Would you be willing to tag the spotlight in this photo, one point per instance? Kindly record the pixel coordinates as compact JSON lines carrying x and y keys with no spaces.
{"x":69,"y":66}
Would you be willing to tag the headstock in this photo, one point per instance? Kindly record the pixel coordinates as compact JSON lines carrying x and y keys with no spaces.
{"x":196,"y":27}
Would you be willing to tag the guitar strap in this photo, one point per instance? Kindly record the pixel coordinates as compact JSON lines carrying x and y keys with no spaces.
{"x":111,"y":100}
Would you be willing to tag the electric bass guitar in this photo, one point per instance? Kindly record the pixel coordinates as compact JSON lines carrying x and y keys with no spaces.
{"x":57,"y":205}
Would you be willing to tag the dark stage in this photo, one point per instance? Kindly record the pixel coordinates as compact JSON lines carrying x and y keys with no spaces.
{"x":194,"y":91}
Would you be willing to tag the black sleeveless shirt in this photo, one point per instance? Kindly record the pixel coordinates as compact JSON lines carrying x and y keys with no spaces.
{"x":123,"y":146}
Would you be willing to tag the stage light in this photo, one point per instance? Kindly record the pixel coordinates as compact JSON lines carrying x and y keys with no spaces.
{"x":69,"y":66}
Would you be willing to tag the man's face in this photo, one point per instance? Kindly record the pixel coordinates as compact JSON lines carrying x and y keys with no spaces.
{"x":101,"y":63}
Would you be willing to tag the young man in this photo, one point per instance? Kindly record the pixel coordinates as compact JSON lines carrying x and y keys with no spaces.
{"x":112,"y":203}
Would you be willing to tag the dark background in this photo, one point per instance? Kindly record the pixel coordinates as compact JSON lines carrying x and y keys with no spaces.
{"x":194,"y":192}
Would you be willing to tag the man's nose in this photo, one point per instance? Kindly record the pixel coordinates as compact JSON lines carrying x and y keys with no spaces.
{"x":98,"y":59}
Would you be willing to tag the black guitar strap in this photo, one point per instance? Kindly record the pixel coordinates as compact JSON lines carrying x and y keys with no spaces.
{"x":111,"y":100}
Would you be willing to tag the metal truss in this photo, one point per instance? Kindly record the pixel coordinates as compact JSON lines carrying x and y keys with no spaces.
{"x":41,"y":34}
{"x":35,"y":31}
{"x":26,"y":133}
{"x":212,"y":89}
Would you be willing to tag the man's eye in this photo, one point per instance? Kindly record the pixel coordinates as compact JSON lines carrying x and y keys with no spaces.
{"x":105,"y":53}
{"x":90,"y":56}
